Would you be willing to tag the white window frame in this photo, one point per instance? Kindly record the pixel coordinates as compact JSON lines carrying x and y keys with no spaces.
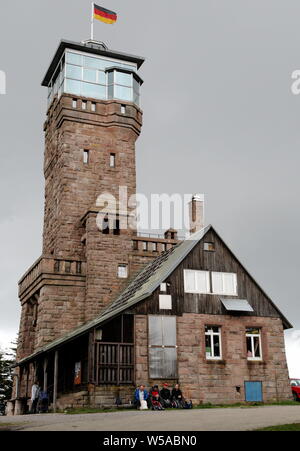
{"x":249,"y":335}
{"x":223,"y":283}
{"x":165,"y":302}
{"x":112,"y":160}
{"x":163,"y":287}
{"x":122,"y":271}
{"x":212,"y":334}
{"x":86,"y":156}
{"x":195,"y":271}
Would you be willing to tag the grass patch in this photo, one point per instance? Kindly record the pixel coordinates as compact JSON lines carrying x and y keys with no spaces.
{"x":282,"y":427}
{"x":83,"y":410}
{"x":246,"y":405}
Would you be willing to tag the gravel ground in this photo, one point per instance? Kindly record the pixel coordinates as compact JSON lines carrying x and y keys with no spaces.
{"x":234,"y":419}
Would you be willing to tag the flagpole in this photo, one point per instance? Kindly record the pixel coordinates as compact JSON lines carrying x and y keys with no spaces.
{"x":92,"y":22}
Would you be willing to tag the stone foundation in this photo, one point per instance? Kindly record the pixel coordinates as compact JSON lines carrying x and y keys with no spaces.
{"x":96,"y":397}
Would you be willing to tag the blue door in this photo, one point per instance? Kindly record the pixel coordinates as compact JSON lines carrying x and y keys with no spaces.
{"x":253,"y":391}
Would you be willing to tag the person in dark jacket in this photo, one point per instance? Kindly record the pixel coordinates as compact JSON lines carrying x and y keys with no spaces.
{"x":177,"y":398}
{"x":165,"y":396}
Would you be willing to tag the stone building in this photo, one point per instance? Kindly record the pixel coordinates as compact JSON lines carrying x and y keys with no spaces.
{"x":104,"y":308}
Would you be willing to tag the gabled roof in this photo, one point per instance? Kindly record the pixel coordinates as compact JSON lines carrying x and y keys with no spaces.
{"x":142,"y":286}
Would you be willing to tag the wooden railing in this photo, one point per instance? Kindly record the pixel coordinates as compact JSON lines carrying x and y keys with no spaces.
{"x":114,"y":363}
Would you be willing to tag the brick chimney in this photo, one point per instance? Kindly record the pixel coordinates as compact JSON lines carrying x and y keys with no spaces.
{"x":196,"y":213}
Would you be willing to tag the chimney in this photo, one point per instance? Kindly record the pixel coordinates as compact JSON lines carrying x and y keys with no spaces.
{"x":196,"y":213}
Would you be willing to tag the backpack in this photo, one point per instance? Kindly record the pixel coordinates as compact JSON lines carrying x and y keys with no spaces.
{"x":43,"y":395}
{"x":188,"y":405}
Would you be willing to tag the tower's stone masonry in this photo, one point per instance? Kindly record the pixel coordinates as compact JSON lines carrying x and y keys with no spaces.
{"x":73,"y":186}
{"x":77,"y":275}
{"x":72,"y":238}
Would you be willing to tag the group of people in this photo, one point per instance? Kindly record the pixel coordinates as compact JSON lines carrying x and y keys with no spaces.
{"x":156,"y":399}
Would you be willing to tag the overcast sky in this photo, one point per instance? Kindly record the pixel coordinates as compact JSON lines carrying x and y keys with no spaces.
{"x":219,"y":119}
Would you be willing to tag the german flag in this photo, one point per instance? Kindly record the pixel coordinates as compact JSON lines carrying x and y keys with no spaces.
{"x":105,"y":15}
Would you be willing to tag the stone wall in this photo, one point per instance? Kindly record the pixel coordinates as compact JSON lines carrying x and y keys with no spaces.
{"x":206,"y":381}
{"x":96,"y":397}
{"x":61,"y":309}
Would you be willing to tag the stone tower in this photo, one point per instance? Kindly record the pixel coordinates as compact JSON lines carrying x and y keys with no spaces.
{"x":93,"y":122}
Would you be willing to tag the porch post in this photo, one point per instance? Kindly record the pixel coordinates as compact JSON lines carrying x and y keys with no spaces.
{"x":91,"y":359}
{"x":55,"y":380}
{"x":45,"y":387}
{"x":27,"y":380}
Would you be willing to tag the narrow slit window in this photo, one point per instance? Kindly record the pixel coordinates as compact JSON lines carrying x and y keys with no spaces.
{"x":93,"y":107}
{"x":123,"y":109}
{"x":117,"y":227}
{"x":78,"y":267}
{"x":112,"y":160}
{"x":86,"y":156}
{"x":105,"y":226}
{"x":74,"y":103}
{"x":84,"y":105}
